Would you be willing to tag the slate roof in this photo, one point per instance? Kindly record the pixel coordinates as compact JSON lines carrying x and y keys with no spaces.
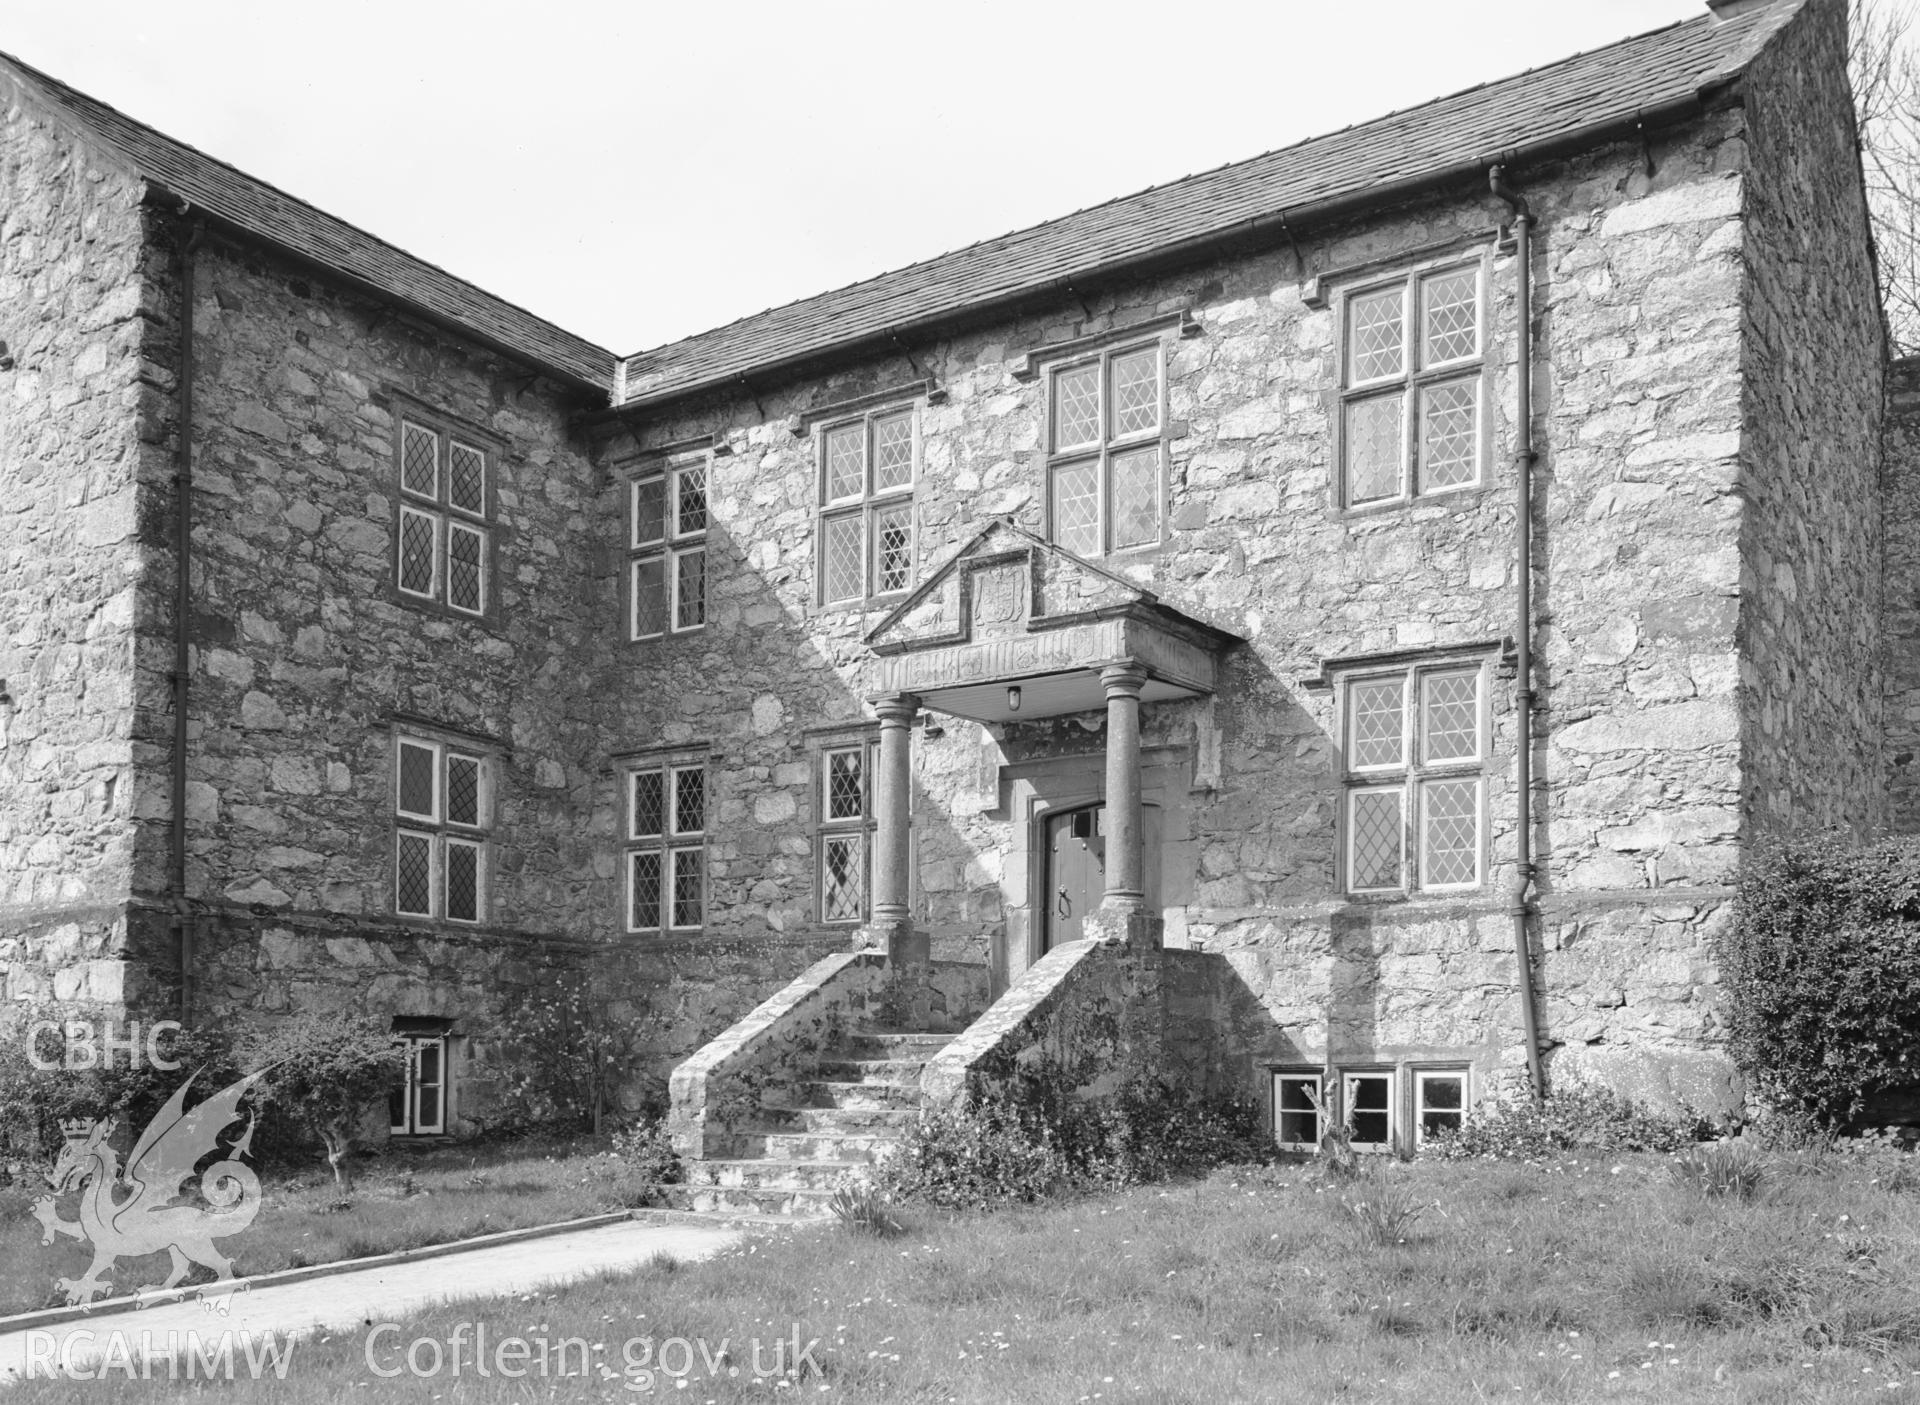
{"x":259,"y":209}
{"x":1540,"y":108}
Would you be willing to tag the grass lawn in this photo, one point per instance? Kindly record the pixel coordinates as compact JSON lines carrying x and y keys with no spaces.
{"x":409,"y":1198}
{"x":1579,"y":1281}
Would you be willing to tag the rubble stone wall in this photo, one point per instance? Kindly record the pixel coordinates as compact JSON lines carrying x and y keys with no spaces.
{"x":75,"y":293}
{"x":1901,"y":626}
{"x":1813,"y":361}
{"x":1639,"y":287}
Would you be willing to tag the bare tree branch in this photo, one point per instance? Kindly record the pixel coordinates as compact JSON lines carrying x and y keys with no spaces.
{"x":1885,"y":72}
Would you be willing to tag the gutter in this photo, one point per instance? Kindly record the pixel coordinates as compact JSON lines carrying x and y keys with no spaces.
{"x":184,"y":922}
{"x":1520,"y":908}
{"x":1280,"y":224}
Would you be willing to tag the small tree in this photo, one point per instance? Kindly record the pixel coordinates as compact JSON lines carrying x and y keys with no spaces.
{"x":564,"y":1057}
{"x":323,"y":1071}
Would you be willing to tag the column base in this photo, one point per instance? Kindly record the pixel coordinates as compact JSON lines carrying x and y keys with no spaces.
{"x":1129,"y":927}
{"x":903,"y":945}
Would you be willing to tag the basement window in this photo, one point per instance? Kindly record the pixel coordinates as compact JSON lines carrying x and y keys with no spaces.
{"x":1383,"y":1109}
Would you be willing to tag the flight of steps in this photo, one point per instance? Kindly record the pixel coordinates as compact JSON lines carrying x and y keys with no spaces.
{"x":810,"y":1137}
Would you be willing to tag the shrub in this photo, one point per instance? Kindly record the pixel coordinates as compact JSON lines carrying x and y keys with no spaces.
{"x":1580,"y":1118}
{"x":1039,"y":1135}
{"x":34,"y":1100}
{"x":975,"y":1157}
{"x":1730,"y":1168}
{"x":647,"y":1160}
{"x":563,"y":1062}
{"x":1821,"y":968}
{"x":323,"y":1071}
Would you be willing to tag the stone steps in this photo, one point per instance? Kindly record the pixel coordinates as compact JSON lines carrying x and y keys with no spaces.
{"x":819,"y":1133}
{"x":774,"y":1173}
{"x":744,"y":1200}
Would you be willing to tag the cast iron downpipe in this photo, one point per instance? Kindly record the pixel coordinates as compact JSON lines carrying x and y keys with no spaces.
{"x":1521,"y":906}
{"x":183,"y":923}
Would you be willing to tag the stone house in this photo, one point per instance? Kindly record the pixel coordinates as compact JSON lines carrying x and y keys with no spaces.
{"x":1119,"y":644}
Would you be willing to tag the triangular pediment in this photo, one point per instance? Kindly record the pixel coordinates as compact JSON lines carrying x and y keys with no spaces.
{"x":1005,"y":582}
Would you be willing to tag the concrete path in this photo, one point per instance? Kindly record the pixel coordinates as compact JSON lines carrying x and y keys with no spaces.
{"x":346,"y":1300}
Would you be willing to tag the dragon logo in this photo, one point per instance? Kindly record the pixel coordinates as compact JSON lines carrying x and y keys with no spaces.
{"x":131,"y":1213}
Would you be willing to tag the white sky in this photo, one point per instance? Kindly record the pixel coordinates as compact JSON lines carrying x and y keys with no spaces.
{"x":643,"y":171}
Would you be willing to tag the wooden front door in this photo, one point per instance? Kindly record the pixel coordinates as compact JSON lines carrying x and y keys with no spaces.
{"x":1076,"y":876}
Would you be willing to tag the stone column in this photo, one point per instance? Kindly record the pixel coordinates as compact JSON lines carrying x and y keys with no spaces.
{"x":891,"y":920}
{"x":1126,"y":885}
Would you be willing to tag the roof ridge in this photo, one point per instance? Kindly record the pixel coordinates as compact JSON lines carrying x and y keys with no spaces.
{"x":1382,"y":120}
{"x":75,"y":110}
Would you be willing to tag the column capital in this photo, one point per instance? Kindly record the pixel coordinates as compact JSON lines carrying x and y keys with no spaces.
{"x":1123,"y":678}
{"x":895,"y":707}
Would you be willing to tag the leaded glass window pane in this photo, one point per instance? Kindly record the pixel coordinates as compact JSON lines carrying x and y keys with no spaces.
{"x":463,"y":881}
{"x":840,"y":549}
{"x":1076,"y":407}
{"x":689,"y":800}
{"x":843,"y":888}
{"x":649,"y":804}
{"x":413,"y":874}
{"x":892,"y":452}
{"x":418,"y":547}
{"x":1373,"y":448}
{"x":1375,"y":339}
{"x":1450,"y":832}
{"x":466,"y":568}
{"x":419,"y":460}
{"x":466,"y":477}
{"x":690,"y":501}
{"x":463,"y":790}
{"x":1449,"y":436}
{"x":1075,"y":508}
{"x":1135,"y":497}
{"x":1136,"y":392}
{"x":1376,"y":722}
{"x":1451,"y":727}
{"x":1377,"y":840}
{"x":649,"y":510}
{"x":416,"y":794}
{"x":690,"y":588}
{"x":688,"y":887}
{"x":846,"y":462}
{"x":846,"y":784}
{"x":643,"y":897}
{"x":1451,"y":315}
{"x":892,"y":549}
{"x":649,"y":597}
